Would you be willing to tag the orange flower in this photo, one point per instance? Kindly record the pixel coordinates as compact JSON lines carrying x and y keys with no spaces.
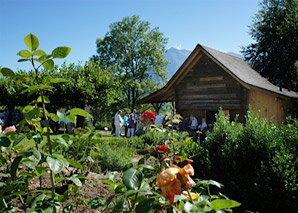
{"x":173,"y":179}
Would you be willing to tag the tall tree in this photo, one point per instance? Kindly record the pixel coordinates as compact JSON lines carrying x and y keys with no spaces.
{"x":275,"y":30}
{"x":137,"y":53}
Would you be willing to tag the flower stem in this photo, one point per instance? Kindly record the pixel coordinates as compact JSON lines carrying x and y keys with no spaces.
{"x":190,"y":196}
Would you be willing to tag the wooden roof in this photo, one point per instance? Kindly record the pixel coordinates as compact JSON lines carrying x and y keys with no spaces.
{"x":235,"y":66}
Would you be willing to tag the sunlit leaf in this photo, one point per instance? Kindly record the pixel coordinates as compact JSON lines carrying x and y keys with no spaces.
{"x":24,"y":54}
{"x":31,"y":41}
{"x":81,"y":112}
{"x":39,"y":53}
{"x":223,"y":204}
{"x":56,"y":165}
{"x":45,"y":99}
{"x":60,"y":52}
{"x":49,"y":64}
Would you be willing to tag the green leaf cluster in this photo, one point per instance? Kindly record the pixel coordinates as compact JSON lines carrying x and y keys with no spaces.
{"x":137,"y":54}
{"x":256,"y":161}
{"x":275,"y":50}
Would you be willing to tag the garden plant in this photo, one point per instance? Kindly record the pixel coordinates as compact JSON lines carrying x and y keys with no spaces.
{"x":21,"y":162}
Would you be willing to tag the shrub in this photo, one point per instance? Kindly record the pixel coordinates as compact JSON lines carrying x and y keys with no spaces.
{"x":256,"y":161}
{"x":100,"y":125}
{"x":154,"y":138}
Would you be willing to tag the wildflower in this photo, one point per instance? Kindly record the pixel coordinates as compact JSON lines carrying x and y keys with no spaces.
{"x":10,"y":129}
{"x":173,"y":179}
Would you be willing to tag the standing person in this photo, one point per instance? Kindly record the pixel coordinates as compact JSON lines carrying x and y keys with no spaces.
{"x":136,"y":118}
{"x":125,"y":119}
{"x":193,"y":127}
{"x":118,"y":121}
{"x":203,"y":128}
{"x":131,"y":126}
{"x":159,"y":119}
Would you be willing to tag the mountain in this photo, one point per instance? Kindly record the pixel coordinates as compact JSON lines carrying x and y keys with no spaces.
{"x":178,"y":56}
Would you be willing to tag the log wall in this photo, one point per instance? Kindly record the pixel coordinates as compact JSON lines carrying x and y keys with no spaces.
{"x":207,"y":87}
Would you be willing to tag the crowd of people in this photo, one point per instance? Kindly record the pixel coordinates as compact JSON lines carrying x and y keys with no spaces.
{"x":131,"y":122}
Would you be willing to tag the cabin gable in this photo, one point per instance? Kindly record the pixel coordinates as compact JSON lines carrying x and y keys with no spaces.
{"x":206,"y":87}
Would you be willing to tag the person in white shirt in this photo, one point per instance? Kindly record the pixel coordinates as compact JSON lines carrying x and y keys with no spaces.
{"x":118,"y":121}
{"x":193,"y":127}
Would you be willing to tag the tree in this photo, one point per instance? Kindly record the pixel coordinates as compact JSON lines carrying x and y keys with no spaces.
{"x":137,"y":53}
{"x":275,"y":30}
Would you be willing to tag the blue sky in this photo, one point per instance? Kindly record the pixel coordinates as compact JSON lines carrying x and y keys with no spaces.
{"x":220,"y":24}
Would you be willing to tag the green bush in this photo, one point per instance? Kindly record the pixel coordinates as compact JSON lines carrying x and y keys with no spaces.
{"x":154,"y":138}
{"x":100,"y":125}
{"x":256,"y":161}
{"x":112,"y":156}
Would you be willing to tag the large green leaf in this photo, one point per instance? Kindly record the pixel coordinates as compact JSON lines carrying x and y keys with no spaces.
{"x":56,"y":165}
{"x":81,"y":112}
{"x":132,"y":178}
{"x":145,"y":205}
{"x":14,"y":167}
{"x":4,"y":141}
{"x":223,"y":204}
{"x":31,"y":41}
{"x":60,"y":52}
{"x":7,"y":72}
{"x":24,"y":54}
{"x":49,"y":64}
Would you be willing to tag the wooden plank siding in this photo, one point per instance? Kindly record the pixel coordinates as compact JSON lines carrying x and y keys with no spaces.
{"x":208,"y":87}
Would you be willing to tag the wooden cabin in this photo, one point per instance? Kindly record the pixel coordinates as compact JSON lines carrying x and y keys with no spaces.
{"x":209,"y":79}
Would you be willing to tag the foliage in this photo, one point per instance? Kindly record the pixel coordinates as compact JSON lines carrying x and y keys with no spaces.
{"x":157,"y":187}
{"x":154,"y":138}
{"x":275,"y":30}
{"x":258,"y":158}
{"x":21,"y":164}
{"x":137,"y":53}
{"x":101,"y":125}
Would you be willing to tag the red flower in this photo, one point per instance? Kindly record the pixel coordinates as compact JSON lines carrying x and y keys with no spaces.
{"x":181,"y":163}
{"x":160,"y":149}
{"x":148,"y":117}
